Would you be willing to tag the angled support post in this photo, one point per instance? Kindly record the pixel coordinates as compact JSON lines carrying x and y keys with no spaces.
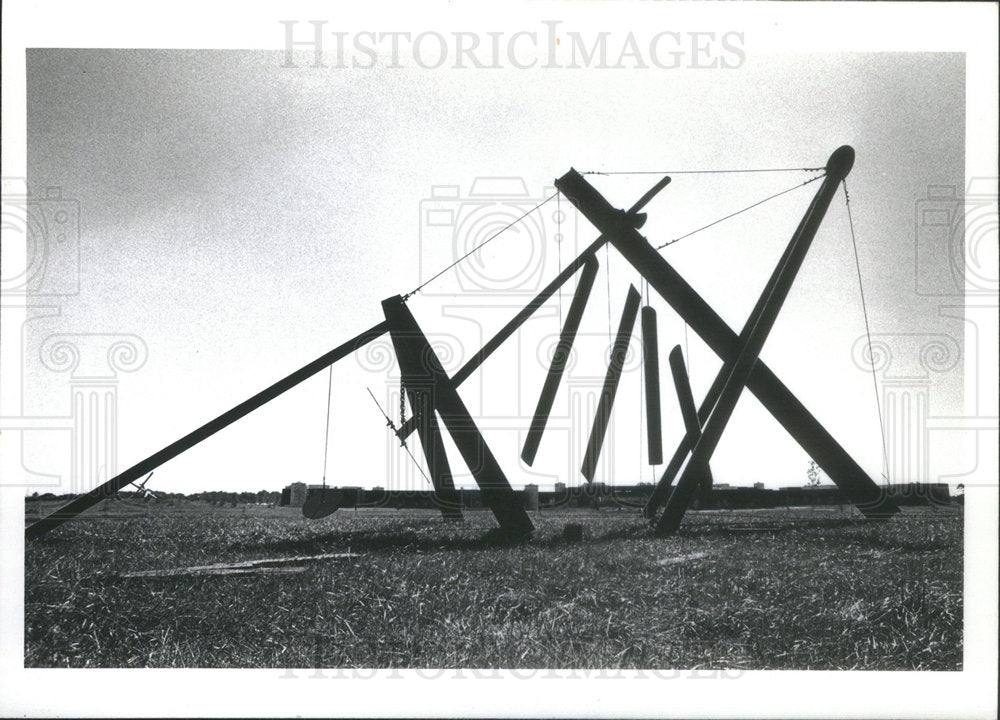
{"x":421,"y":368}
{"x":651,"y":365}
{"x":420,"y":395}
{"x":610,"y":389}
{"x":692,"y":425}
{"x":559,"y":359}
{"x":762,"y":320}
{"x":663,"y":488}
{"x":617,"y":226}
{"x":112,"y":486}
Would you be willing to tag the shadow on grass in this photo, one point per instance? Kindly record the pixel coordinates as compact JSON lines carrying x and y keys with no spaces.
{"x":769,"y":526}
{"x":433,"y":538}
{"x":411,"y":540}
{"x":449,"y":537}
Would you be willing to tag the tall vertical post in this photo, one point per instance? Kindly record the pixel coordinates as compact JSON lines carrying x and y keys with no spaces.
{"x":420,"y":367}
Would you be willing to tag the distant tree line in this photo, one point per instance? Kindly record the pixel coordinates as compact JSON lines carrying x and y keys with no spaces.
{"x":219,"y":497}
{"x":214,"y":497}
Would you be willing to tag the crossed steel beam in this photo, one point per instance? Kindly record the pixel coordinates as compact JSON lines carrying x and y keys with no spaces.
{"x":740,"y":353}
{"x":433,"y":393}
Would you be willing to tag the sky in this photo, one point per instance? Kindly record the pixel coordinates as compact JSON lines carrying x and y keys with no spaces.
{"x":238,"y":218}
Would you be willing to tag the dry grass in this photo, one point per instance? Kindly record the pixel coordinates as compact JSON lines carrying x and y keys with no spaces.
{"x":757,"y":590}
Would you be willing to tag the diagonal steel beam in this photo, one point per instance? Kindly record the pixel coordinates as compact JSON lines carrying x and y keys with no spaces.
{"x":663,"y":488}
{"x":420,"y":367}
{"x":559,"y":359}
{"x":112,"y":486}
{"x":607,"y":399}
{"x":762,"y":382}
{"x":765,"y":314}
{"x":634,"y":216}
{"x":473,"y":363}
{"x":420,"y":397}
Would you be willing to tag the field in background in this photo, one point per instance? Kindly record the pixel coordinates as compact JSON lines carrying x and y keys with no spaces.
{"x":764,"y":589}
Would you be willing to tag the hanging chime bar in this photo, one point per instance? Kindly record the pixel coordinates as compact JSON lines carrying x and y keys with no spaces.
{"x":559,"y":359}
{"x":651,"y":366}
{"x":611,"y":379}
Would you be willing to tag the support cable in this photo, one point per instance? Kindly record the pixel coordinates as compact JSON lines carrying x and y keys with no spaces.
{"x":402,"y":441}
{"x":478,"y":247}
{"x":559,"y":242}
{"x":868,"y":334}
{"x":698,"y":172}
{"x":642,"y":377}
{"x":326,"y":436}
{"x":687,"y":351}
{"x":607,"y":282}
{"x":748,"y":207}
{"x":652,"y":468}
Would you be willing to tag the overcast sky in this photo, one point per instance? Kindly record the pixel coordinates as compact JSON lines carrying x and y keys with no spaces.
{"x":242,"y":218}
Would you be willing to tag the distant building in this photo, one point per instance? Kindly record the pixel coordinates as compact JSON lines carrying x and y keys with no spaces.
{"x":759,"y":485}
{"x":530,"y":496}
{"x":297,"y":494}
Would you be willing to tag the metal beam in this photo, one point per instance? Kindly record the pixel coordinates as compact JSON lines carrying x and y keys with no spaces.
{"x":634,"y":217}
{"x":559,"y":359}
{"x":420,"y":367}
{"x":420,"y":397}
{"x":607,"y":399}
{"x":766,"y":312}
{"x":763,"y":383}
{"x":662,"y":490}
{"x":651,"y":365}
{"x":112,"y":486}
{"x":664,"y":487}
{"x":473,"y":363}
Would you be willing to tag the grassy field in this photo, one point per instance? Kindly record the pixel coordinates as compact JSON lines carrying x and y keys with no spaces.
{"x":799,"y":589}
